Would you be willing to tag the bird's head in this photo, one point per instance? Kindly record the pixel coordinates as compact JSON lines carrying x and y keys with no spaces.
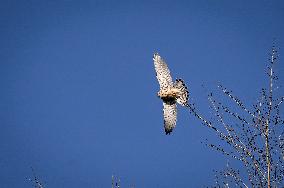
{"x":171,"y":93}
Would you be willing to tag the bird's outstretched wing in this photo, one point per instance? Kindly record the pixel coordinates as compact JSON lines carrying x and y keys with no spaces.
{"x":170,"y":117}
{"x":162,"y":72}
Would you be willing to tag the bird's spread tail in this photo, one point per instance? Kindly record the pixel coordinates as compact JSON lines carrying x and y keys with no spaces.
{"x":183,"y":92}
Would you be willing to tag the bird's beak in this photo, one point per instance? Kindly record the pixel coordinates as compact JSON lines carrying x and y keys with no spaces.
{"x":158,"y":95}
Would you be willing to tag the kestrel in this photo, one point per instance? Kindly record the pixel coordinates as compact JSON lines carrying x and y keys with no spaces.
{"x":171,"y":93}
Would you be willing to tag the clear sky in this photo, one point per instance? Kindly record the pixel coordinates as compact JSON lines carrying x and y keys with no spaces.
{"x":78,"y":88}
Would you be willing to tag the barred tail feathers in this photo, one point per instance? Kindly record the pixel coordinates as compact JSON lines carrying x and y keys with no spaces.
{"x":184,"y":94}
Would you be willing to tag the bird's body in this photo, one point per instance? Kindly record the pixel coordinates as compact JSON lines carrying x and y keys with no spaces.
{"x":170,"y":93}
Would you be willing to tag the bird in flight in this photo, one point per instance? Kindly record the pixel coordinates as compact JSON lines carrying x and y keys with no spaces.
{"x":170,"y":93}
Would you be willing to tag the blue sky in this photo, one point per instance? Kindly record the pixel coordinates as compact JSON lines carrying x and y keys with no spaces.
{"x":78,"y":86}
